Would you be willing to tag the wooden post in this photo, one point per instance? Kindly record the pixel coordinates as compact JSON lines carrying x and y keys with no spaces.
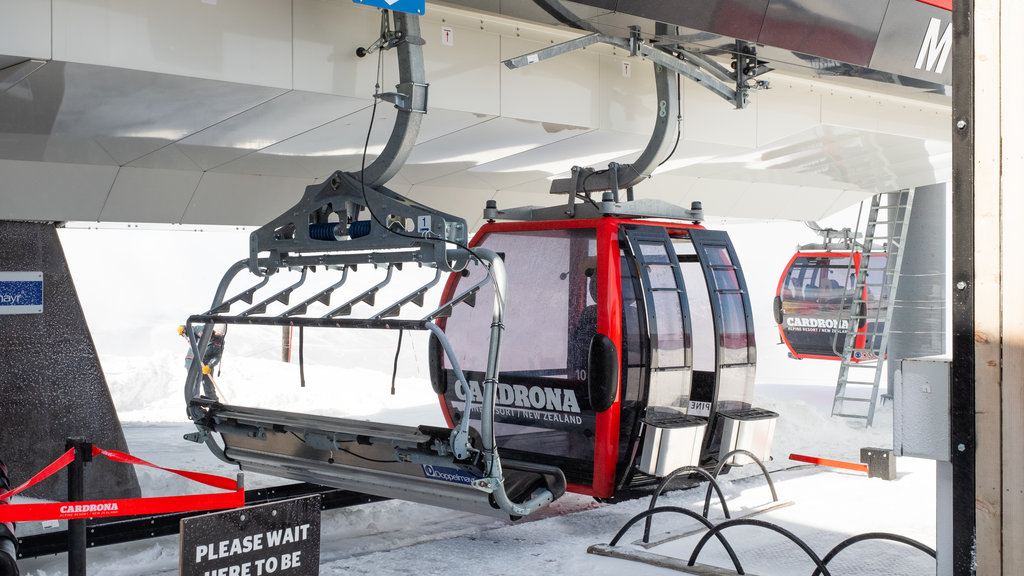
{"x":988,"y":343}
{"x":1011,"y":187}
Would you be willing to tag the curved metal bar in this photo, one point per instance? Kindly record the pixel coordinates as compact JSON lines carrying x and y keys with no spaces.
{"x":707,"y":524}
{"x":762,"y":524}
{"x":282,"y":296}
{"x":627,"y":175}
{"x":712,"y":483}
{"x":407,"y":122}
{"x":367,"y":296}
{"x":414,"y":296}
{"x":323,"y":296}
{"x":873,"y":536}
{"x":462,"y":430}
{"x":468,"y":295}
{"x":195,"y":374}
{"x":244,"y":296}
{"x":194,"y":377}
{"x":721,"y":464}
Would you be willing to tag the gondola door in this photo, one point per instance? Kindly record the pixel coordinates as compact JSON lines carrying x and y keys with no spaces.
{"x":732,"y":389}
{"x":668,"y":324}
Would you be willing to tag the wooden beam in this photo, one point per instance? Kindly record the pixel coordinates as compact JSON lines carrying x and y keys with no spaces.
{"x":987,"y":286}
{"x":1011,"y":85}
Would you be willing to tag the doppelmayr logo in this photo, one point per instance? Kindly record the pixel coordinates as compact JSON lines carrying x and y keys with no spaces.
{"x":447,"y":474}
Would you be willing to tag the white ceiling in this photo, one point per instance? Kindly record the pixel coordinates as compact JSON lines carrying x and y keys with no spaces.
{"x":208,"y":120}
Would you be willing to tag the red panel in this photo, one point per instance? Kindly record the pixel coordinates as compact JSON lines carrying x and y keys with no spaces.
{"x":944,"y":4}
{"x":609,"y":323}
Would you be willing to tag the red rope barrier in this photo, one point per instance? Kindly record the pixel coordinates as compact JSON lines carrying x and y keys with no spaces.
{"x":122,"y":507}
{"x":833,"y":463}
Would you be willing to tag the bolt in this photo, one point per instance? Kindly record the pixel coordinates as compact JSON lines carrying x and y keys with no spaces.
{"x":961,"y":285}
{"x":961,"y":124}
{"x":961,"y":447}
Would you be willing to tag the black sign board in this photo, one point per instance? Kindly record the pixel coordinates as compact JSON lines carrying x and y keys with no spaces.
{"x":280,"y":539}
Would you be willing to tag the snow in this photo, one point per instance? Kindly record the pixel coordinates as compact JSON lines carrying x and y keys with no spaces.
{"x":143,"y":357}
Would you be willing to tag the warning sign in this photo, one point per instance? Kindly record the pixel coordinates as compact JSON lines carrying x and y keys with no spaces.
{"x":281,"y":538}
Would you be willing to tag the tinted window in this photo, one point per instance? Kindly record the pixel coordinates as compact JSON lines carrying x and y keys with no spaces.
{"x":550,"y":319}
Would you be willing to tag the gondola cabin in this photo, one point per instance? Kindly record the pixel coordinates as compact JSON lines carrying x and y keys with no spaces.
{"x":816,"y":299}
{"x":628,"y":350}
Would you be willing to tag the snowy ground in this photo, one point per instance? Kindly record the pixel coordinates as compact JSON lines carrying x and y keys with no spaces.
{"x":827,"y":506}
{"x":145,"y":375}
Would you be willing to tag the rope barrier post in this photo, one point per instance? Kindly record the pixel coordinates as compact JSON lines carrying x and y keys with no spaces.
{"x":8,"y":542}
{"x":76,"y":493}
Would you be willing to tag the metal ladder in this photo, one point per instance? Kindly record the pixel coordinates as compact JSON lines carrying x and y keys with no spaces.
{"x":863,"y":362}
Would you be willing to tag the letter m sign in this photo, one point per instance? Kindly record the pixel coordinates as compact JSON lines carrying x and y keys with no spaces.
{"x":935,"y":47}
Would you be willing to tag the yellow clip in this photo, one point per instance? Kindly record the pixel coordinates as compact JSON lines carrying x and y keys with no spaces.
{"x":181,"y":330}
{"x":206,"y":369}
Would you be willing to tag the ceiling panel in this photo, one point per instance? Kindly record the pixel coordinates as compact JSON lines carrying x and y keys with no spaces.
{"x":60,"y":191}
{"x":144,"y":195}
{"x":480,"y":144}
{"x":262,"y":126}
{"x":242,"y":200}
{"x":28,"y":35}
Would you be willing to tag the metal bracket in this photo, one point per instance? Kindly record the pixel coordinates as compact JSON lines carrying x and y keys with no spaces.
{"x":669,"y":60}
{"x":832,"y":239}
{"x":389,"y":38}
{"x":324,"y":228}
{"x":731,"y":85}
{"x":410,"y":97}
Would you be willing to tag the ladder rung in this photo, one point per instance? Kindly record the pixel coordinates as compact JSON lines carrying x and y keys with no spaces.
{"x":853,"y":398}
{"x":860,"y":416}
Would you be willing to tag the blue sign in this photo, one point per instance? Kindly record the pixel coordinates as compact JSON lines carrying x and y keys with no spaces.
{"x":407,"y":6}
{"x":21,"y":292}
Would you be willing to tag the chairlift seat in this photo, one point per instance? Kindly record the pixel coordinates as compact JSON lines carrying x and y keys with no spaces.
{"x":387,"y":460}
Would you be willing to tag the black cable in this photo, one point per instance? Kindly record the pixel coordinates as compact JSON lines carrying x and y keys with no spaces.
{"x":302,"y":363}
{"x":394,"y":370}
{"x":587,"y":198}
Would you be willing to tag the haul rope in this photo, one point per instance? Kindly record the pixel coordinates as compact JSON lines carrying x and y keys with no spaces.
{"x":122,"y":507}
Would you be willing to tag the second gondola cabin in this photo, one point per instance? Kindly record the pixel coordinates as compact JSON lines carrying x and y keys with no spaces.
{"x":819,"y":300}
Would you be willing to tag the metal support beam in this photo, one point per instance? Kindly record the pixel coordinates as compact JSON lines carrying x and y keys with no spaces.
{"x":411,"y":101}
{"x":963,"y":439}
{"x":669,"y":61}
